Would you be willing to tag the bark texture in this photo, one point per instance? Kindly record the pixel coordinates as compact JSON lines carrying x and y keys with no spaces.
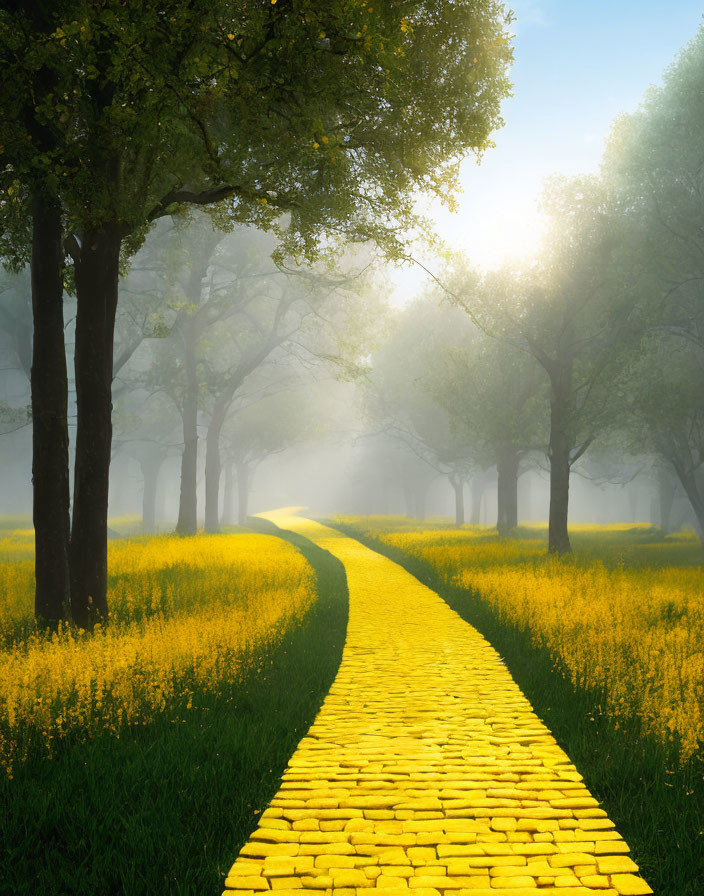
{"x":50,"y":442}
{"x":213,"y":469}
{"x":458,"y":487}
{"x":560,"y":447}
{"x":187,"y":523}
{"x":96,"y":272}
{"x":507,"y":492}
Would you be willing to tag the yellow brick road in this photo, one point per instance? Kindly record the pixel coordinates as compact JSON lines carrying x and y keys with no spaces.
{"x":426,"y":768}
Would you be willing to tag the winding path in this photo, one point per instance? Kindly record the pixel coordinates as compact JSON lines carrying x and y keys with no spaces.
{"x":426,"y":767}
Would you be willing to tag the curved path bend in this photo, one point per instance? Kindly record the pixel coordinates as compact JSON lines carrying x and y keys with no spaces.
{"x":426,"y":768}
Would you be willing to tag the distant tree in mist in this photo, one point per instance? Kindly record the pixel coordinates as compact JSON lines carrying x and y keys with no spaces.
{"x":496,"y":399}
{"x":399,"y":392}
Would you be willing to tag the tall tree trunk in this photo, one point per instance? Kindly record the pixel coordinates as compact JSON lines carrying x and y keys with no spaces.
{"x":50,"y":472}
{"x":666,"y":490}
{"x":188,"y":503}
{"x":228,"y":496}
{"x":96,"y":273}
{"x":476,"y":489}
{"x":150,"y":466}
{"x":507,"y":492}
{"x":560,"y":447}
{"x":213,"y":468}
{"x":457,"y":484}
{"x":242,"y":493}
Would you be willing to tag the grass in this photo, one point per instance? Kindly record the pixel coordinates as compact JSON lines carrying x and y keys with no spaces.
{"x":166,"y":807}
{"x":655,"y":800}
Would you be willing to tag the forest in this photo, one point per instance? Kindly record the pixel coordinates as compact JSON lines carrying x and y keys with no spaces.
{"x":210,"y":215}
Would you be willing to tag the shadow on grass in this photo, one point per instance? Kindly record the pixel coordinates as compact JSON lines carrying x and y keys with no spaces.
{"x":656,"y":804}
{"x":165,"y":808}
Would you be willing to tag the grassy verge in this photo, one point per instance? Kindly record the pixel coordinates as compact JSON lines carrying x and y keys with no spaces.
{"x":166,"y":807}
{"x":656,"y":804}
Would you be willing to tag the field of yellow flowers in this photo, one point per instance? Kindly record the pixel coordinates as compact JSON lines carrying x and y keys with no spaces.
{"x":624,"y":613}
{"x":186,"y":616}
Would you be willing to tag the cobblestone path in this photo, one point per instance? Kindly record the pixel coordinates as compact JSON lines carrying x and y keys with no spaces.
{"x":426,"y":767}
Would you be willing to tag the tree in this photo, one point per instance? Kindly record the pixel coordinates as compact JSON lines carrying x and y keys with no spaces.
{"x":572,"y":314}
{"x":495,"y":398}
{"x":401,"y":397}
{"x":655,"y":167}
{"x":267,"y":426}
{"x":115,"y":114}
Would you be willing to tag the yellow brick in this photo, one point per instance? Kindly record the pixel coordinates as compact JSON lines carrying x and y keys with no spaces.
{"x":323,"y":837}
{"x":329,"y":861}
{"x":259,"y":849}
{"x":278,"y":866}
{"x":247,"y":883}
{"x":602,"y":847}
{"x":286,"y":883}
{"x":513,"y":883}
{"x":421,"y":855}
{"x":596,"y":881}
{"x":569,"y":859}
{"x":480,"y":882}
{"x":319,"y":882}
{"x":396,"y":870}
{"x":385,"y":883}
{"x":630,"y":885}
{"x":347,"y":877}
{"x":245,"y":869}
{"x":306,"y":824}
{"x":508,"y":871}
{"x":326,"y":849}
{"x":615,"y":864}
{"x":272,"y":835}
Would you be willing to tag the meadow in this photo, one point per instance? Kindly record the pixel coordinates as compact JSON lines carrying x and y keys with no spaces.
{"x":608,"y":645}
{"x":142,"y":753}
{"x":624,"y":613}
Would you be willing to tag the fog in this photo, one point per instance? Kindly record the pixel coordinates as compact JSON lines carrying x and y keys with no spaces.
{"x":567,"y":387}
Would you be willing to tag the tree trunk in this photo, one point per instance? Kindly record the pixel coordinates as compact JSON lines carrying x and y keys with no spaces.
{"x":507,"y":492}
{"x":458,"y":487}
{"x":228,"y":496}
{"x":476,"y":489}
{"x":667,"y":488}
{"x":213,"y":469}
{"x":695,"y":495}
{"x":242,"y":493}
{"x":188,"y":503}
{"x":560,"y":446}
{"x":50,"y":471}
{"x":96,"y":273}
{"x":150,"y":465}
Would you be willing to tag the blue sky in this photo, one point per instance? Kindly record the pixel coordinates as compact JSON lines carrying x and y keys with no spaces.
{"x":577,"y":66}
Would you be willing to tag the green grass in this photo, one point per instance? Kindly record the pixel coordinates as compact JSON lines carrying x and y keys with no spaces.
{"x":165,"y":808}
{"x":656,"y":804}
